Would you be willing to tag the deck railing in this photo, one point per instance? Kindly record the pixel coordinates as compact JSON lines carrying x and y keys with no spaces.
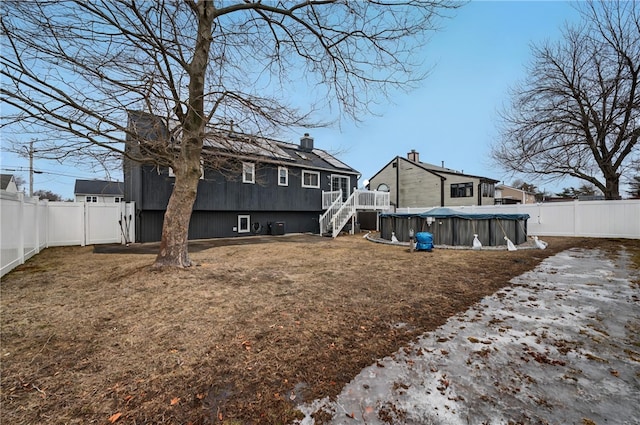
{"x":328,"y":198}
{"x":371,"y":200}
{"x":339,"y":213}
{"x":326,"y":219}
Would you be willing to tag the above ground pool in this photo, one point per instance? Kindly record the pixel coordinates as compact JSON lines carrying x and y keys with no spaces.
{"x":456,"y":228}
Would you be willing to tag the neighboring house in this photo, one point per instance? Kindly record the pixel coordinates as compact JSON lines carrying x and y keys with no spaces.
{"x":412,"y":183}
{"x":510,"y":195}
{"x":277,"y":187}
{"x":105,"y":192}
{"x":8,"y":183}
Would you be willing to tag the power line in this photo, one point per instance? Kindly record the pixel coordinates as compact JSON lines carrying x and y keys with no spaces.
{"x":41,"y":171}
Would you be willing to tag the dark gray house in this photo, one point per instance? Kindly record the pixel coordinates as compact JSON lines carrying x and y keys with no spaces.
{"x":277,"y":187}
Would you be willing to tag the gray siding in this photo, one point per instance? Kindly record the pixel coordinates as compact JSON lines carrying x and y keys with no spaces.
{"x":221,"y":199}
{"x":220,"y":224}
{"x":217,"y":192}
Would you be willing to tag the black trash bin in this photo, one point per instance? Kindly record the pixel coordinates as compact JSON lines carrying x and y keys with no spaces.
{"x":278,"y":228}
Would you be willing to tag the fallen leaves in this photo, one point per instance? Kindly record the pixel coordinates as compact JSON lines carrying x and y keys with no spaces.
{"x":175,"y":401}
{"x":115,"y":417}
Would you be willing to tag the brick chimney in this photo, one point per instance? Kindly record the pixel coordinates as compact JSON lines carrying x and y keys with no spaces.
{"x":306,"y":143}
{"x":413,"y":156}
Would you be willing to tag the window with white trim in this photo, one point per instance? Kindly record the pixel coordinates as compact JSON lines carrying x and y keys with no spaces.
{"x":283,"y":176}
{"x":92,"y":199}
{"x":248,"y":172}
{"x":310,"y":179}
{"x":244,"y":223}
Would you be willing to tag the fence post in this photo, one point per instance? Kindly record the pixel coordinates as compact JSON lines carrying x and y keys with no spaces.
{"x":21,"y":226}
{"x":37,"y":225}
{"x":47,"y":213}
{"x":576,"y":217}
{"x":85,"y":223}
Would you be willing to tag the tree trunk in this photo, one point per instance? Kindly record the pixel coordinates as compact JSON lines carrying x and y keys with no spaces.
{"x":612,"y":190}
{"x":175,"y":229}
{"x":174,"y":246}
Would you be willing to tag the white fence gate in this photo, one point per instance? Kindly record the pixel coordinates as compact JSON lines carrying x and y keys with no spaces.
{"x":29,"y":225}
{"x":599,"y":219}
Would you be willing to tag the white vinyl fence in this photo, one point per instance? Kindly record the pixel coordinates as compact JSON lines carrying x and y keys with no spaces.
{"x":29,"y":225}
{"x":598,"y":219}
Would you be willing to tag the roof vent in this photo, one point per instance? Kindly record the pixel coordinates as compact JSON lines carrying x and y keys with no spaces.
{"x":306,"y":143}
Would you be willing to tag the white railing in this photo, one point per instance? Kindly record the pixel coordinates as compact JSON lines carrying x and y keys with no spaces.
{"x":338,"y":213}
{"x":372,"y":200}
{"x":30,"y":225}
{"x":327,"y":218}
{"x":344,"y":214}
{"x":328,"y":198}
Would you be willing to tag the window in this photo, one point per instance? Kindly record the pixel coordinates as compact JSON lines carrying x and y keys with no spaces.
{"x":340,"y":183}
{"x":488,"y":190}
{"x":248,"y":172}
{"x":92,"y":199}
{"x":310,"y":179}
{"x":462,"y":190}
{"x":243,"y":223}
{"x":118,"y":199}
{"x":283,"y":176}
{"x":383,"y":187}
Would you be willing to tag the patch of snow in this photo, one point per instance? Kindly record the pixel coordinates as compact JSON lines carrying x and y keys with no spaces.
{"x":559,"y":346}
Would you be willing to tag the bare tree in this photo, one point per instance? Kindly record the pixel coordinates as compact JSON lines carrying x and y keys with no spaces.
{"x":47,"y":194}
{"x":73,"y":69}
{"x":578,"y":112}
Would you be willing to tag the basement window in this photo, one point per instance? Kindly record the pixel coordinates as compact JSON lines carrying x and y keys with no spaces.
{"x":243,"y":223}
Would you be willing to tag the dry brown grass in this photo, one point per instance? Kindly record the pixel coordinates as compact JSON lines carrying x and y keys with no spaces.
{"x":242,"y":338}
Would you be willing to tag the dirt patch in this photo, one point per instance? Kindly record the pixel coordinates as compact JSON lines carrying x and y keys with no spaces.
{"x":244,"y":337}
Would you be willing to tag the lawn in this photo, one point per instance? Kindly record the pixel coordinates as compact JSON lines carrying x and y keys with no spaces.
{"x":242,"y":338}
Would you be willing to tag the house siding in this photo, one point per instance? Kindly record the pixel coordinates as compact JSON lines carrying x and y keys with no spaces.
{"x":223,"y":224}
{"x":420,"y":187}
{"x":386,"y":176}
{"x":221,"y":198}
{"x":218,"y":192}
{"x":463,"y":201}
{"x":517,"y":195}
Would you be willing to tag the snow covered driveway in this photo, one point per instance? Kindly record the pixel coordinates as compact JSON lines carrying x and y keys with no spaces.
{"x":560,"y":346}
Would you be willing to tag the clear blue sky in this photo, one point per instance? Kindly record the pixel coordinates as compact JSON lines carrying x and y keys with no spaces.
{"x":477,"y":55}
